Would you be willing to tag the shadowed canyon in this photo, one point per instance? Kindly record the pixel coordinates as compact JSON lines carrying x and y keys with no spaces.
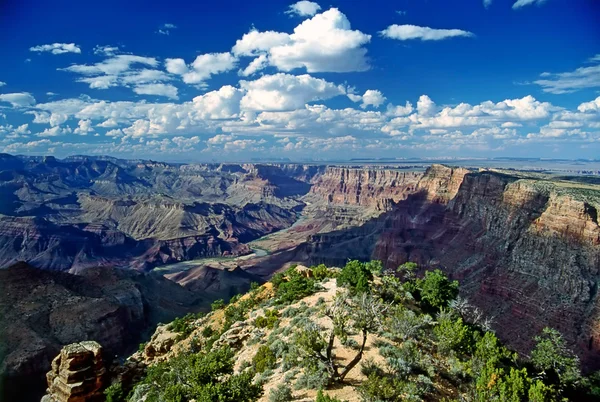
{"x":130,"y":243}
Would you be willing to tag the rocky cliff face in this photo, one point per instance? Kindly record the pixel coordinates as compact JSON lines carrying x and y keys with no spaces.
{"x":77,"y":374}
{"x":41,"y":310}
{"x":71,"y":214}
{"x":367,"y":187}
{"x":526,"y":251}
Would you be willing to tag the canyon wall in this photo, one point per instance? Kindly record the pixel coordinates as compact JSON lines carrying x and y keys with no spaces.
{"x":42,"y":310}
{"x":527,"y":251}
{"x":365,"y":186}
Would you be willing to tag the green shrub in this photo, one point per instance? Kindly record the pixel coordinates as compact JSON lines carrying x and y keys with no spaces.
{"x":295,"y":288}
{"x":277,"y":279}
{"x":283,"y":393}
{"x":356,"y":276}
{"x":436,"y":290}
{"x":184,"y":325}
{"x":207,"y":332}
{"x":142,"y":347}
{"x":204,"y":376}
{"x":321,"y":397}
{"x":321,"y":272}
{"x":453,"y":334}
{"x":217,"y":304}
{"x":264,"y":359}
{"x":553,"y":359}
{"x":269,"y":320}
{"x":114,"y":393}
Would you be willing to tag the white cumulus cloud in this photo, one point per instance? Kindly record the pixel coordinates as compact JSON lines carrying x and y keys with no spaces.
{"x":411,"y":32}
{"x":18,"y":99}
{"x":323,"y":43}
{"x":167,"y":90}
{"x":372,"y":97}
{"x":286,"y":92}
{"x":304,"y":8}
{"x":203,"y":67}
{"x":57,"y":48}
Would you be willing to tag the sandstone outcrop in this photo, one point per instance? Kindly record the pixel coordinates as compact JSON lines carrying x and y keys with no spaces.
{"x":367,"y":187}
{"x":41,"y":310}
{"x":77,"y":374}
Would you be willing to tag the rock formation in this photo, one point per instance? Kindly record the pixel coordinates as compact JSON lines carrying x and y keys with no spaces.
{"x":77,"y":374}
{"x":525,"y":250}
{"x":41,"y":310}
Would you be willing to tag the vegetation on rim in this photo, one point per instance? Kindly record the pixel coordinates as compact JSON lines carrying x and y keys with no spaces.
{"x":397,"y":335}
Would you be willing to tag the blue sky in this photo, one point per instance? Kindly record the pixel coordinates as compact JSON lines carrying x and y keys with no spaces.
{"x":234,"y":80}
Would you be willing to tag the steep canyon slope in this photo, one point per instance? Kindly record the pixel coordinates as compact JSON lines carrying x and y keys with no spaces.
{"x":526,"y":249}
{"x":81,"y":211}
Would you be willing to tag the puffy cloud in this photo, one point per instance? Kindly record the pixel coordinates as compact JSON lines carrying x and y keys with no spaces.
{"x":203,"y":67}
{"x":425,"y":106}
{"x":167,"y":90}
{"x":221,"y":104}
{"x":57,"y":48}
{"x":487,"y":3}
{"x":286,"y":92}
{"x":409,"y":32}
{"x":2,"y":84}
{"x":84,"y":127}
{"x":18,"y":99}
{"x":593,"y":106}
{"x":567,"y":82}
{"x":324,"y":43}
{"x":372,"y":97}
{"x":119,"y":70}
{"x":23,"y":129}
{"x":56,"y":119}
{"x":522,"y":3}
{"x":255,"y":65}
{"x":304,"y":8}
{"x":54,"y":131}
{"x":114,"y":133}
{"x":396,"y":111}
{"x":255,"y":42}
{"x":220,"y":139}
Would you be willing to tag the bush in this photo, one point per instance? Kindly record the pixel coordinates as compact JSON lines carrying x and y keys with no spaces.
{"x":268,"y":320}
{"x":316,"y":378}
{"x":207,"y":332}
{"x":321,"y":272}
{"x":295,"y":288}
{"x":553,"y":359}
{"x":217,"y":304}
{"x":114,"y":393}
{"x":453,"y":335}
{"x":436,"y":290}
{"x":356,"y":276}
{"x":204,"y":376}
{"x":321,"y":397}
{"x":264,"y":359}
{"x":184,"y":325}
{"x":283,"y":393}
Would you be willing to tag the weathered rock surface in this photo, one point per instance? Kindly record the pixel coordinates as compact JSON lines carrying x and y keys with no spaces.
{"x":41,"y":310}
{"x":367,"y":187}
{"x":77,"y":374}
{"x":527,"y":251}
{"x":79,"y":212}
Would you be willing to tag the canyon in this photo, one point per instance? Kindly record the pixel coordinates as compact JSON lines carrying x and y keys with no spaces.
{"x":525,"y":246}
